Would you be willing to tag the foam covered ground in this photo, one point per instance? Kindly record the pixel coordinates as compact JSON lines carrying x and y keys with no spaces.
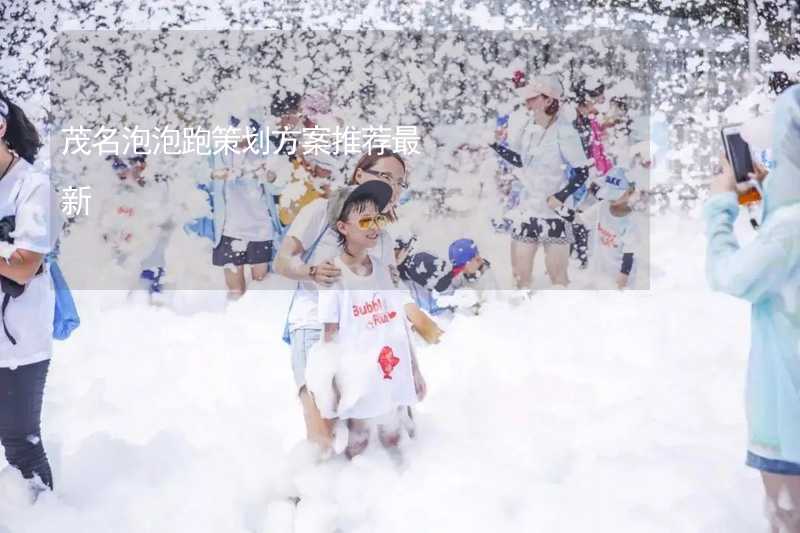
{"x":574,"y":411}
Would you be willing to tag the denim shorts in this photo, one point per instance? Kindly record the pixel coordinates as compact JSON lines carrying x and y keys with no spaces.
{"x":302,"y":340}
{"x":773,"y":466}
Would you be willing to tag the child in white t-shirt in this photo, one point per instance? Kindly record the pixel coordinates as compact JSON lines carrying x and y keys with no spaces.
{"x":617,"y":235}
{"x":365,"y":373}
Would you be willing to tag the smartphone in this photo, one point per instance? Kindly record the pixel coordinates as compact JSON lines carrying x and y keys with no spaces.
{"x":740,"y":157}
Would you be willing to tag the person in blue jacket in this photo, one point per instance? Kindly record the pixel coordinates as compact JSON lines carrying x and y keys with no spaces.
{"x":766,"y":273}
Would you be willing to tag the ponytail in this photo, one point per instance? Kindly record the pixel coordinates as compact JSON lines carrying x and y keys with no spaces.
{"x":21,"y":135}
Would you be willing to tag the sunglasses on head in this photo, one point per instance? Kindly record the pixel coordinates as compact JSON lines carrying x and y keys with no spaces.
{"x":379,"y":221}
{"x":388,"y":177}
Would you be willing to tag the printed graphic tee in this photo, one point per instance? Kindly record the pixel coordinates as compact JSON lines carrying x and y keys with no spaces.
{"x":615,"y":236}
{"x":374,"y":374}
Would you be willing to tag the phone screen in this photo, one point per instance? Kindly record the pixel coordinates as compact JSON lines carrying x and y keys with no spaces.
{"x":738,"y":152}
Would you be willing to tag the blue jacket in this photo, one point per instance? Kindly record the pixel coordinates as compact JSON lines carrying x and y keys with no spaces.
{"x":766,"y":273}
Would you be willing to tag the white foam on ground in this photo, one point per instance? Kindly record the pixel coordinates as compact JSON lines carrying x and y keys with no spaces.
{"x":575,"y":411}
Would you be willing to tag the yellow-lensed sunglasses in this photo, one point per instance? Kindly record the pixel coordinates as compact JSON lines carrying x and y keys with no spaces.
{"x":377,"y":221}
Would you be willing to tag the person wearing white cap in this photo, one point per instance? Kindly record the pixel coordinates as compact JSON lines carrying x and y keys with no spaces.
{"x":549,"y":148}
{"x":617,"y":235}
{"x":244,"y":211}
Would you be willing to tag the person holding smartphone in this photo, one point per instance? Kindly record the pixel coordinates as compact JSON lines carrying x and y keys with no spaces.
{"x":766,"y":272}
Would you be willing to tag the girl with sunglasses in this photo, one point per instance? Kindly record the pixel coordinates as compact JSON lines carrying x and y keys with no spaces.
{"x":371,"y":362}
{"x":306,"y":255}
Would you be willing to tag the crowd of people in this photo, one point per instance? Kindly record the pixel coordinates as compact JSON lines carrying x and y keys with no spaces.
{"x":571,"y":183}
{"x":357,"y":285}
{"x":361,"y":293}
{"x":288,"y":214}
{"x":569,"y":171}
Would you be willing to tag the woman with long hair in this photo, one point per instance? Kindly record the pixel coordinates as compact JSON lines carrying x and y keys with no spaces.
{"x":29,"y":227}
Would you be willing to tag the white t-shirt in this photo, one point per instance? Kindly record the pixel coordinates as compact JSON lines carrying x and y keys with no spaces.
{"x":614,"y":237}
{"x":28,"y":195}
{"x":133,"y":220}
{"x":373,"y":348}
{"x":543,"y":153}
{"x":246,"y":215}
{"x":306,"y":227}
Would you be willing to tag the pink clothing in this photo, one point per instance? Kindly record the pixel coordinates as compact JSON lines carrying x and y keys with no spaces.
{"x":601,"y":162}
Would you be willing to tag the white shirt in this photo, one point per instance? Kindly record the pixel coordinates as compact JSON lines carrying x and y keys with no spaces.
{"x":615,"y":236}
{"x":306,"y":227}
{"x":545,"y":153}
{"x":246,"y":215}
{"x":133,"y":220}
{"x":373,"y":348}
{"x":28,"y":195}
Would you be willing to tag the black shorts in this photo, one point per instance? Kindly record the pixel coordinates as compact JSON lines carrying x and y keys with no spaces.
{"x":231,"y":251}
{"x":544,"y":231}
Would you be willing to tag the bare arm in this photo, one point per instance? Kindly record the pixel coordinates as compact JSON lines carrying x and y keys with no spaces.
{"x":420,"y":385}
{"x":423,"y":324}
{"x":288,"y":263}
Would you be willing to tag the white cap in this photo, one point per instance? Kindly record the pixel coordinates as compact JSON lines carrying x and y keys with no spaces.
{"x":546,"y":85}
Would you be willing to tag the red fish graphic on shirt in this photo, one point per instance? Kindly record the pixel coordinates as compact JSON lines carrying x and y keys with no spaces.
{"x":388,"y":361}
